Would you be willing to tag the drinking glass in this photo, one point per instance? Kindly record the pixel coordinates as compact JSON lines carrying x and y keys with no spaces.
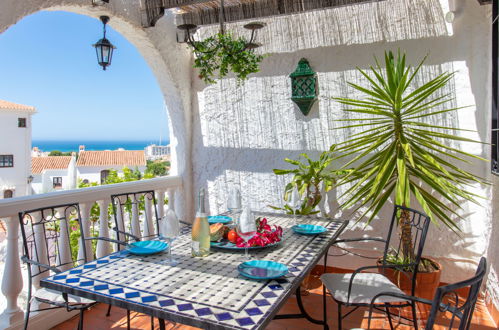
{"x":234,"y":201}
{"x":246,"y":228}
{"x":295,"y":203}
{"x":171,"y":230}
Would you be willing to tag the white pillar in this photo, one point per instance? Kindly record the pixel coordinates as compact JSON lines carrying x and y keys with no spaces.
{"x":160,"y":199}
{"x":148,"y":225}
{"x":85,"y":209}
{"x":12,"y":280}
{"x":40,"y":253}
{"x":64,"y":256}
{"x":135,"y":217}
{"x":103,"y":247}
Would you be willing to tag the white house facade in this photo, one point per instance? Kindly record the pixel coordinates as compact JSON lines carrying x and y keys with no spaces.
{"x":94,"y":166}
{"x":15,"y":148}
{"x":51,"y":173}
{"x":156,"y":152}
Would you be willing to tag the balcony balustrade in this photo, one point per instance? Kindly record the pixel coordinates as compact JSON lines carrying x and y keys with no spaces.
{"x":12,"y":277}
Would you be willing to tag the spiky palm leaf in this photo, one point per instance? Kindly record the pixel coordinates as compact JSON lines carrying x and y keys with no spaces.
{"x":400,"y":154}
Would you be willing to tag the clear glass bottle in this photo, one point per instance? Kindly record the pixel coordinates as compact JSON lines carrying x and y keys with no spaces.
{"x":200,"y":246}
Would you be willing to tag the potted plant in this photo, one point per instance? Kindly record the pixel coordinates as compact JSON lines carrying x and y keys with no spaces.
{"x":401,"y":156}
{"x":309,"y":178}
{"x":217,"y":55}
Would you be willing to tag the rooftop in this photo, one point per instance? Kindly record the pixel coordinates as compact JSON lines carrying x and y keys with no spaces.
{"x":38,"y":164}
{"x":115,"y":157}
{"x":6,"y":105}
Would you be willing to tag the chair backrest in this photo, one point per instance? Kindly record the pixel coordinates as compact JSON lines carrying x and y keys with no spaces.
{"x":52,"y":236}
{"x":139,"y":203}
{"x":460,"y":308}
{"x":416,"y":224}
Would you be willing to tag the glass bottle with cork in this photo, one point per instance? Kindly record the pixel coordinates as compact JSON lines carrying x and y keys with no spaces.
{"x":200,"y":246}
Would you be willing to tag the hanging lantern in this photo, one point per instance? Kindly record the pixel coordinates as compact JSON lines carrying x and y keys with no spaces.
{"x":104,"y":48}
{"x":304,"y":86}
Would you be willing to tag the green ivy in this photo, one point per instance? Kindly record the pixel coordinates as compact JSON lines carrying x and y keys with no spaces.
{"x":219,"y":54}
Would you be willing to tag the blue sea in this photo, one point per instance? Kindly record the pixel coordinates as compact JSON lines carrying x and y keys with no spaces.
{"x":65,"y":146}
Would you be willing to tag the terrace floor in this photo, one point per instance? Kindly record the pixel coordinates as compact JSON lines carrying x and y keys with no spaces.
{"x":96,"y":318}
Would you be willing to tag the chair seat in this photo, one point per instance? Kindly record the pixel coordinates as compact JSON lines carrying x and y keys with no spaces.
{"x":364,"y":287}
{"x":48,"y":295}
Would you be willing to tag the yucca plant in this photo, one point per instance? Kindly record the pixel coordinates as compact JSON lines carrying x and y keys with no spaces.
{"x":398,"y":154}
{"x":309,"y":177}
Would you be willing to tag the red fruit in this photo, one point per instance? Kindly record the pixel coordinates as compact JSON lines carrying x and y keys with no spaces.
{"x":232,"y":236}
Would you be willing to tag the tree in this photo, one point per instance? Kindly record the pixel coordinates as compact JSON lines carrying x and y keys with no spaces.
{"x":157,"y":168}
{"x":59,"y":153}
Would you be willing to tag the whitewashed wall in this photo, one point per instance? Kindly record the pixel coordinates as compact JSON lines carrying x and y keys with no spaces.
{"x":242,"y":133}
{"x":225,"y":134}
{"x":15,"y":141}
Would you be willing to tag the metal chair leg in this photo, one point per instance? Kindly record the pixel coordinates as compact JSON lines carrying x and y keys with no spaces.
{"x":80,"y":322}
{"x":414,"y":315}
{"x":389,"y":317}
{"x":339,"y":316}
{"x":161,"y":324}
{"x":128,"y":319}
{"x":26,"y":315}
{"x":152,"y":323}
{"x":108,"y":310}
{"x":324,"y":307}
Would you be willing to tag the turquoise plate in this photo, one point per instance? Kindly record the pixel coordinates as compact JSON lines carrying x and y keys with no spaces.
{"x":307,"y":229}
{"x":262,"y":269}
{"x":226,"y":244}
{"x":219,"y":219}
{"x":147,"y":247}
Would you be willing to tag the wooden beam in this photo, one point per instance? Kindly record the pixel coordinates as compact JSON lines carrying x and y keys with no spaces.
{"x":168,"y":4}
{"x":260,"y":9}
{"x":485,"y":2}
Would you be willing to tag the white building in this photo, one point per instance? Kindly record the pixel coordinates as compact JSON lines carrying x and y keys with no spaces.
{"x":157,"y":152}
{"x":15,"y":148}
{"x":52,"y":173}
{"x":94,"y":166}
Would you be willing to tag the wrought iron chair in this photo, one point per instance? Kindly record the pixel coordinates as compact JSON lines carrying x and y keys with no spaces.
{"x":129,"y":232}
{"x":357,"y":289}
{"x":133,"y":202}
{"x":446,"y":300}
{"x":46,"y":234}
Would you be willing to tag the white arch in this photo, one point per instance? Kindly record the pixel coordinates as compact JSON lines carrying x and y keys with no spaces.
{"x":169,"y":62}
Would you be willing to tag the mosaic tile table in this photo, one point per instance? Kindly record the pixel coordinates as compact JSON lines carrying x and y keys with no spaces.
{"x":204,"y":292}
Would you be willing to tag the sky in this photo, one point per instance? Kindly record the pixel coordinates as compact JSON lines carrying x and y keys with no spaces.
{"x":47,"y":61}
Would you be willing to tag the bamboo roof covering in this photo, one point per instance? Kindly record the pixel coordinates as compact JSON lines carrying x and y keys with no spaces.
{"x":206,"y":12}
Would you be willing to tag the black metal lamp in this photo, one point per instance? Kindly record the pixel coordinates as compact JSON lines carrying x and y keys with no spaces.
{"x":104,"y":48}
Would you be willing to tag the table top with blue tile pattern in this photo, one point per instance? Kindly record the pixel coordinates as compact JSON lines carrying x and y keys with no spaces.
{"x":205,"y":292}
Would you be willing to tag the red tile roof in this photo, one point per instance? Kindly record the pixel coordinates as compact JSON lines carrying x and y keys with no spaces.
{"x":38,"y":164}
{"x":115,"y":157}
{"x":6,"y":105}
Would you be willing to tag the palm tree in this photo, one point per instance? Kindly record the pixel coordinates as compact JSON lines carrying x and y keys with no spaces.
{"x":399,"y":154}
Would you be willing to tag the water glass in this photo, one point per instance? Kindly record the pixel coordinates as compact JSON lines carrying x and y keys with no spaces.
{"x":246,"y":228}
{"x":171,"y":230}
{"x":234,"y":201}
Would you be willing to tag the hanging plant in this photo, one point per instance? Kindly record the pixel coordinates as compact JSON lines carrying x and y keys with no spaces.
{"x":217,"y":55}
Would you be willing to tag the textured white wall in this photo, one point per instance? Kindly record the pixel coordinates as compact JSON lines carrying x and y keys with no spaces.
{"x":15,"y":141}
{"x":243,"y":132}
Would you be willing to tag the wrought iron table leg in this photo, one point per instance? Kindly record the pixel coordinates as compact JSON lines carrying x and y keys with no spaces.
{"x":303,"y":313}
{"x":161,"y":324}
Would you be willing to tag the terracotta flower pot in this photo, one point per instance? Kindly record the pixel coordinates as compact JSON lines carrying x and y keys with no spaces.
{"x":426,"y":283}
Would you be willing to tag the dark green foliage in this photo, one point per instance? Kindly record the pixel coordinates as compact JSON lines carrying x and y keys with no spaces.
{"x":222,"y":53}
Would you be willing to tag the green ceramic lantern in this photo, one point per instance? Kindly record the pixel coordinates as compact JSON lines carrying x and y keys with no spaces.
{"x":304,"y":86}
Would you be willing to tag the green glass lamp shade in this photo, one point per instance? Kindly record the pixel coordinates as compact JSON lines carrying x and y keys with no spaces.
{"x":304,"y":86}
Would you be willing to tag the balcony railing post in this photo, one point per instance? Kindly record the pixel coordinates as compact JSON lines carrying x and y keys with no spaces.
{"x":148,"y":229}
{"x":12,"y":280}
{"x":160,"y":198}
{"x":103,"y":247}
{"x":64,"y":241}
{"x":135,"y":222}
{"x":85,"y":209}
